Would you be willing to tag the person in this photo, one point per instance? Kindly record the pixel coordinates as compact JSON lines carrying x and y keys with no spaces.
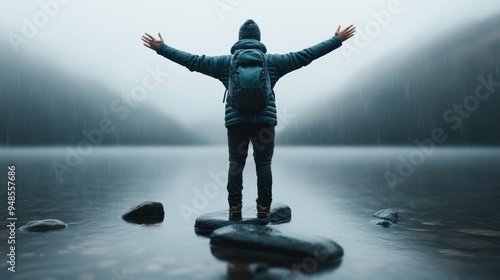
{"x":258,"y":128}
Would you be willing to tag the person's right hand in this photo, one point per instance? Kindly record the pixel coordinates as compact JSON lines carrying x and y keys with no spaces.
{"x":151,"y":42}
{"x":346,"y":33}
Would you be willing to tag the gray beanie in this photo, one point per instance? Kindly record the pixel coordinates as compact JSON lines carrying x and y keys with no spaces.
{"x":249,"y":30}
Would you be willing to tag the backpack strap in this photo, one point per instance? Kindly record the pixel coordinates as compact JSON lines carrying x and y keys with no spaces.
{"x":229,"y":81}
{"x":224,"y":98}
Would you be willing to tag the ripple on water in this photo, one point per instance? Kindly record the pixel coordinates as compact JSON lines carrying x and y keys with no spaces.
{"x":97,"y":251}
{"x":468,"y":243}
{"x":433,"y":223}
{"x":154,"y":267}
{"x":87,"y":276}
{"x":455,"y":253}
{"x":478,"y":231}
{"x":107,"y":263}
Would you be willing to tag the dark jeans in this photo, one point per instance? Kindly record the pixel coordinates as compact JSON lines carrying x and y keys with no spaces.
{"x":262,"y":137}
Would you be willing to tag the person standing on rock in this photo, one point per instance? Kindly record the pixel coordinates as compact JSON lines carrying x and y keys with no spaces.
{"x":249,"y":75}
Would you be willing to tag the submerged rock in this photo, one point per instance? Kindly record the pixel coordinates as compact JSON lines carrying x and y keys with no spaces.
{"x":43,"y":225}
{"x":258,"y":243}
{"x":148,"y":212}
{"x":206,"y":223}
{"x":383,"y":223}
{"x":387,"y":214}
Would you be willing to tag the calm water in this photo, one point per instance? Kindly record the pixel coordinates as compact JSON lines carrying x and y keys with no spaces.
{"x":449,"y":226}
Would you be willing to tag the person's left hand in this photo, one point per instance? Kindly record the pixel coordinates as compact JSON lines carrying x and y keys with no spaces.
{"x":151,"y":42}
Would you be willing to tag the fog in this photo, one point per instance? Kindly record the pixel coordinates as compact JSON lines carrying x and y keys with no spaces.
{"x":100,"y":40}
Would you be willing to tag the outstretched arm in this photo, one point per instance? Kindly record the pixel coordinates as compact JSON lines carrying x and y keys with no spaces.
{"x":208,"y":65}
{"x":286,"y":63}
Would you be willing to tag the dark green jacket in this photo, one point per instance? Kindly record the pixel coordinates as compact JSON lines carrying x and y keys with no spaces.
{"x":279,"y":65}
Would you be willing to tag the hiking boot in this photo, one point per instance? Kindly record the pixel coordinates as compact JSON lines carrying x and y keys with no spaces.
{"x":263,"y":211}
{"x":235,"y":211}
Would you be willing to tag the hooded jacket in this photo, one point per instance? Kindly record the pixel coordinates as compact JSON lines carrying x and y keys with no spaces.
{"x":278,"y":65}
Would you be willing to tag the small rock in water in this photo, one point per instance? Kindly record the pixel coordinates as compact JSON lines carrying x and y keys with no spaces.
{"x":383,"y":223}
{"x":258,"y":243}
{"x":206,"y":223}
{"x":387,"y":214}
{"x":148,"y":212}
{"x":43,"y":225}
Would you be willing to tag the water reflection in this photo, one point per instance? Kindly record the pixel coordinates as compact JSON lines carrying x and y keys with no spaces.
{"x":246,"y":270}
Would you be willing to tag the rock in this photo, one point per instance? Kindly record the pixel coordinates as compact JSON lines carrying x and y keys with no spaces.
{"x":43,"y":225}
{"x":148,"y":212}
{"x":387,"y":214}
{"x":383,"y":223}
{"x":206,"y":223}
{"x":258,"y":243}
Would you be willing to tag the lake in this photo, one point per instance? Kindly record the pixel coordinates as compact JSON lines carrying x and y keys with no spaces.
{"x":449,"y":225}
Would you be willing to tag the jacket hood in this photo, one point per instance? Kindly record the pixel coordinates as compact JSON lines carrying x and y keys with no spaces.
{"x":245,"y":44}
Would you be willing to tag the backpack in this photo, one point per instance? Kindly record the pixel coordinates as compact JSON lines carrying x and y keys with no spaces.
{"x":249,"y":87}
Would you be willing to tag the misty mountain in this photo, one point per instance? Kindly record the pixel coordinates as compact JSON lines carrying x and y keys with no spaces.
{"x":41,"y":105}
{"x":406,"y":97}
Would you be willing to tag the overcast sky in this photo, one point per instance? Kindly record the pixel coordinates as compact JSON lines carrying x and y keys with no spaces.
{"x":101,"y":40}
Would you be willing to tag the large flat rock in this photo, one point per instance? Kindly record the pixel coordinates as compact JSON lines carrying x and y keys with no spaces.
{"x":257,"y":243}
{"x":206,"y":223}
